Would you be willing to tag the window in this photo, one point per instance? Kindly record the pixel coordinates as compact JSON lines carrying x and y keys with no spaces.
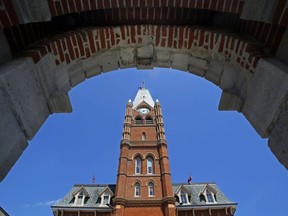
{"x":149,"y":120}
{"x":209,"y":196}
{"x":80,"y":198}
{"x":183,"y":197}
{"x":106,"y":199}
{"x":149,"y":165}
{"x":150,"y":189}
{"x":138,"y":120}
{"x":138,"y":165}
{"x":143,"y":136}
{"x":106,"y":196}
{"x":137,"y":190}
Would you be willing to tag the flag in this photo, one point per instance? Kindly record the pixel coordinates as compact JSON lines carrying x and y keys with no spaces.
{"x":93,"y":179}
{"x":189,"y":179}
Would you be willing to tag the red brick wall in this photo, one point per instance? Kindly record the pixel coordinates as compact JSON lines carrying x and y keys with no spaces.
{"x":140,"y":211}
{"x":84,"y":42}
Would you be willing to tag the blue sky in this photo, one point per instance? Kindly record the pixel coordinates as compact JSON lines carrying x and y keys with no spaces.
{"x":211,"y":145}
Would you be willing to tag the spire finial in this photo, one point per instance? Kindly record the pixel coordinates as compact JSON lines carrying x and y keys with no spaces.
{"x":142,"y":85}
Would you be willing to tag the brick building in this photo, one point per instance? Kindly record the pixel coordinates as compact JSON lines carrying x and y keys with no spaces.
{"x":144,"y":185}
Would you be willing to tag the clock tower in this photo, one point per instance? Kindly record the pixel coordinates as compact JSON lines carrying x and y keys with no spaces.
{"x":144,"y":184}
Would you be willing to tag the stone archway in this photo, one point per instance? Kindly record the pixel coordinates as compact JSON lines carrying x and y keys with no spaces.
{"x":37,"y":82}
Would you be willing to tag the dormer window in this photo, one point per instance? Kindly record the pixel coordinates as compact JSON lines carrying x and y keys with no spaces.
{"x":183,"y":196}
{"x":208,"y":194}
{"x":80,"y":196}
{"x":210,"y":197}
{"x":106,"y":196}
{"x":106,"y":199}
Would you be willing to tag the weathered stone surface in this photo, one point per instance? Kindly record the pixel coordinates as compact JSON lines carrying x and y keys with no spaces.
{"x":278,"y":139}
{"x":180,"y":61}
{"x":163,"y":58}
{"x":197,"y":66}
{"x":259,"y":10}
{"x":76,"y":73}
{"x":145,"y":56}
{"x":230,"y":101}
{"x":228,"y":78}
{"x":12,"y":139}
{"x":127,"y":56}
{"x":90,"y":67}
{"x":54,"y":84}
{"x":18,"y":79}
{"x":5,"y":54}
{"x":265,"y":94}
{"x":215,"y":70}
{"x":109,"y":61}
{"x":29,"y":11}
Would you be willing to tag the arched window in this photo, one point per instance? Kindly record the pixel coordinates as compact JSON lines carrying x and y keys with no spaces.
{"x":137,"y":190}
{"x":143,"y":136}
{"x":149,"y":165}
{"x":149,"y":120}
{"x":138,"y":165}
{"x":138,"y":120}
{"x":151,"y":189}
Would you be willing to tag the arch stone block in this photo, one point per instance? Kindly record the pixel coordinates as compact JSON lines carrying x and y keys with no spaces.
{"x":266,"y":94}
{"x":19,"y":80}
{"x":12,"y":139}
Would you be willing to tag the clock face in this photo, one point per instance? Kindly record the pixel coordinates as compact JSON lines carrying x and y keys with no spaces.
{"x":143,"y":111}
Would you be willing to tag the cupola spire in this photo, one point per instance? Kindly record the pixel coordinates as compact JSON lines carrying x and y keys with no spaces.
{"x":143,"y":94}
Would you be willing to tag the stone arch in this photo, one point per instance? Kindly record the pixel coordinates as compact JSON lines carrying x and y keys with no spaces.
{"x":237,"y":63}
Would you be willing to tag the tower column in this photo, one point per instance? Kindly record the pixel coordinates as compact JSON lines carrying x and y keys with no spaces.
{"x":164,"y":164}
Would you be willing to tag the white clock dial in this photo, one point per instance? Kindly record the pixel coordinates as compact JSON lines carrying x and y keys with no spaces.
{"x":143,"y":111}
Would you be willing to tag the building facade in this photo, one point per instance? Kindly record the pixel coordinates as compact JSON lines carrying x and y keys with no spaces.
{"x":144,"y":186}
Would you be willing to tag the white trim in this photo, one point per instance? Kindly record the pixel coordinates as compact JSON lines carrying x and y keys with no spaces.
{"x":149,"y":189}
{"x":152,"y":163}
{"x":137,"y":183}
{"x":184,"y":192}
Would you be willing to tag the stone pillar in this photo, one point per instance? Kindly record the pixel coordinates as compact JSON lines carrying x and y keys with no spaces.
{"x":28,"y":94}
{"x":265,"y":106}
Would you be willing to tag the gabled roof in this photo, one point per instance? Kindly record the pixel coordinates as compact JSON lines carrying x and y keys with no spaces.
{"x":209,"y":188}
{"x":143,"y":94}
{"x":196,"y":189}
{"x":94,"y":191}
{"x":183,"y":188}
{"x":81,"y":189}
{"x":107,"y":188}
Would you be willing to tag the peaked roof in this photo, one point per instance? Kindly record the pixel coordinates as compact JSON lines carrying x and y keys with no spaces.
{"x":95,"y":191}
{"x":195,"y":190}
{"x":143,"y":94}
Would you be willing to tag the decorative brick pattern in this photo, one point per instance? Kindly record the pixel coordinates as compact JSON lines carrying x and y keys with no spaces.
{"x":60,"y":7}
{"x":85,"y":42}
